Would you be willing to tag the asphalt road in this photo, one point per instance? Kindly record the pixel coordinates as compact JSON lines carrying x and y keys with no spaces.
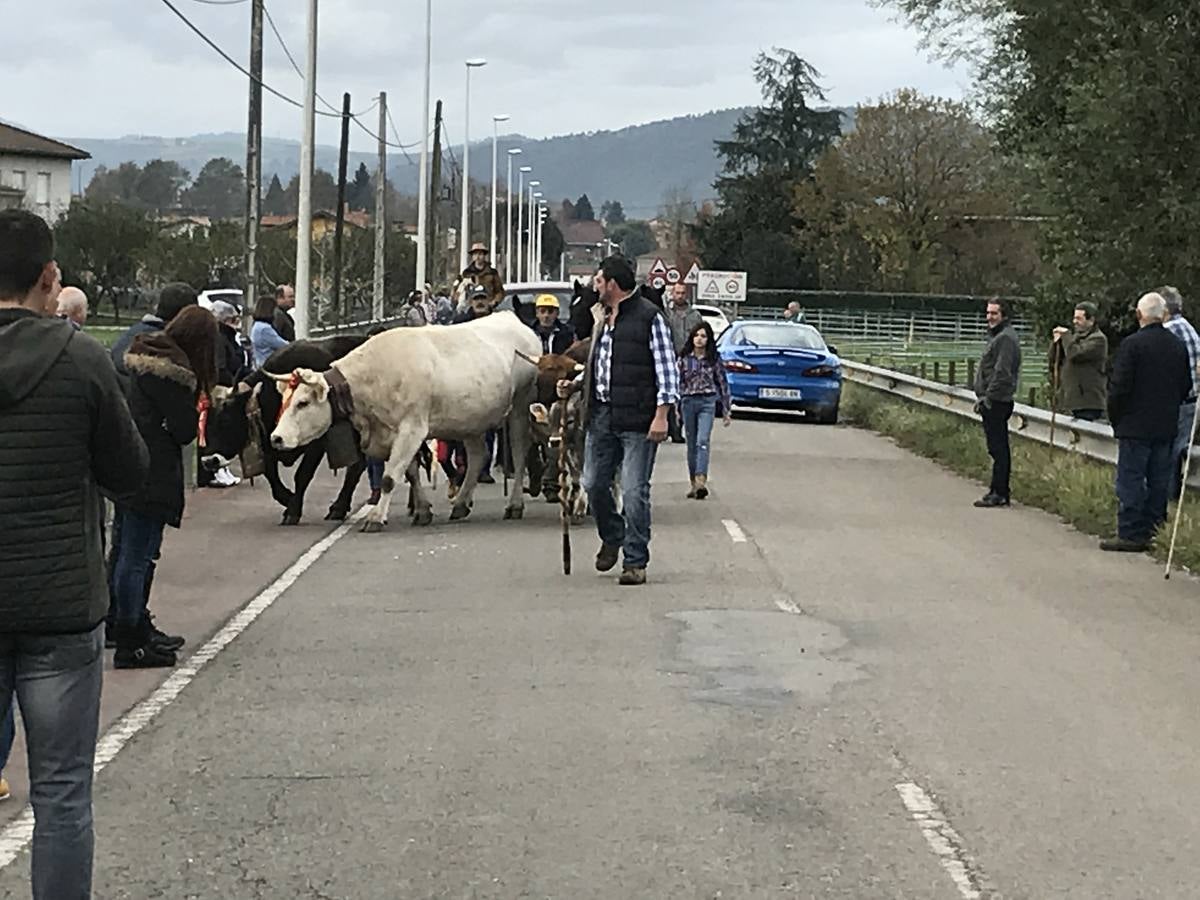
{"x":842,"y":681}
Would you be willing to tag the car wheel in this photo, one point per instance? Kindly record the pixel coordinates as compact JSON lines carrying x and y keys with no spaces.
{"x":828,"y":416}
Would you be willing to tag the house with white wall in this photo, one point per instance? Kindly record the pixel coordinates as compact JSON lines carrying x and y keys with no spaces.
{"x":35,"y":172}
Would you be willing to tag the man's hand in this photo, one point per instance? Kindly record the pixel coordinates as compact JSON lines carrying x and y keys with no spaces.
{"x":658,"y":428}
{"x":1059,"y":332}
{"x":564,"y":388}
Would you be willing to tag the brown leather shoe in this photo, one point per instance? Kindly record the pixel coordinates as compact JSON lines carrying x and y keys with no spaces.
{"x":633,"y":577}
{"x":607,"y":557}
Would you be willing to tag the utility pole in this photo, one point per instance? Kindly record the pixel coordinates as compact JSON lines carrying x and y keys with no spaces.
{"x":304,"y":223}
{"x":254,"y":156}
{"x":423,"y":174}
{"x":380,"y":212}
{"x":340,"y":222}
{"x":435,"y":193}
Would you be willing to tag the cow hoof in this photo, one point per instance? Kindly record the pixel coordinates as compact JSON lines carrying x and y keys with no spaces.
{"x":370,"y":526}
{"x":423,"y":518}
{"x":290,"y":519}
{"x":336,"y":514}
{"x":459,"y":512}
{"x":517,"y":512}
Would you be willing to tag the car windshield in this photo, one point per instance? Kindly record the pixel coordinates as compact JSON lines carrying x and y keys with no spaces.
{"x":792,"y":337}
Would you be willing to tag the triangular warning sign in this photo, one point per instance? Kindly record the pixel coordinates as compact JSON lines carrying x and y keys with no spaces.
{"x":659,"y":267}
{"x":713,"y":288}
{"x":693,"y":275}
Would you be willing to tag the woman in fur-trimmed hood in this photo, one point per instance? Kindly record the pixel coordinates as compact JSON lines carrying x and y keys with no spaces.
{"x":169,"y":370}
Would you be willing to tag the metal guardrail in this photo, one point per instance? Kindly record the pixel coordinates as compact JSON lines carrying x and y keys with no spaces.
{"x":1091,"y":439}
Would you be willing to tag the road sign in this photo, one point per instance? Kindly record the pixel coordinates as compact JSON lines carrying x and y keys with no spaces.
{"x":659,"y":268}
{"x":658,"y":282}
{"x":721,"y":287}
{"x":693,"y":275}
{"x":673,"y":275}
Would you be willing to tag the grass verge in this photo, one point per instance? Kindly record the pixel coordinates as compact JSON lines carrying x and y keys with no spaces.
{"x":1077,"y":489}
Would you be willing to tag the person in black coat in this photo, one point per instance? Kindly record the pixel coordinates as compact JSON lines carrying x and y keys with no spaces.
{"x":556,"y":335}
{"x":172,"y":300}
{"x":1151,"y":377}
{"x":169,"y":370}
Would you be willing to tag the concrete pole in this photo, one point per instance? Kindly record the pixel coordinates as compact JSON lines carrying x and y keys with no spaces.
{"x":307,"y":147}
{"x":380,"y":213}
{"x":254,"y":158}
{"x":423,"y":170}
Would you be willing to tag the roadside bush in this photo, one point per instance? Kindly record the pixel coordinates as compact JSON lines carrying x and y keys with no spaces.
{"x":1077,"y":489}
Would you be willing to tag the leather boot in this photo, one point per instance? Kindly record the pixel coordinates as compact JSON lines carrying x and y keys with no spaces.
{"x":137,"y":649}
{"x":692,"y":493}
{"x":701,"y":487}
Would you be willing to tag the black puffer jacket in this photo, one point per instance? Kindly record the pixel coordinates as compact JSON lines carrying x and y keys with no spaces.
{"x":162,"y":398}
{"x":65,"y":431}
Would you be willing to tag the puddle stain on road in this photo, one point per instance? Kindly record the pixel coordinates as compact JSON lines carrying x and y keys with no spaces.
{"x":760,"y":658}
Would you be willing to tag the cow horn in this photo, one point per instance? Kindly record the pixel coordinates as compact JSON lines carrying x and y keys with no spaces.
{"x":281,"y":379}
{"x":578,"y":367}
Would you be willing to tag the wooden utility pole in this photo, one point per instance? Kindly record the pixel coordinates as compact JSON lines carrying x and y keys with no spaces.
{"x":435,"y":194}
{"x":340,"y":222}
{"x":254,"y":156}
{"x":380,"y":212}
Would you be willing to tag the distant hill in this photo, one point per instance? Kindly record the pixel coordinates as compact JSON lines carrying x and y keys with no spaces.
{"x":634,"y":165}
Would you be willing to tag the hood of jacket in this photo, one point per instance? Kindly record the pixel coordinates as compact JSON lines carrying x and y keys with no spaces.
{"x":30,"y":345}
{"x":157,"y":354}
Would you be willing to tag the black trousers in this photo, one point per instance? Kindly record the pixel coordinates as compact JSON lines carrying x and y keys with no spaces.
{"x":995,"y":429}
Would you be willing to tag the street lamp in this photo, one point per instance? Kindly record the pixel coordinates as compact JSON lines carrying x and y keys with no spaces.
{"x":508,"y":212}
{"x":496,"y":120}
{"x":524,"y":170}
{"x":465,"y":231}
{"x":543,"y":215}
{"x":535,"y":269}
{"x":423,"y":169}
{"x":529,"y":246}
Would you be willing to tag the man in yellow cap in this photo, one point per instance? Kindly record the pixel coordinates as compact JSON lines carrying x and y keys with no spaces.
{"x":555,"y":334}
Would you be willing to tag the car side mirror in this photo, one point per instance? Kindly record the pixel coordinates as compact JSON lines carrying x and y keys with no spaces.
{"x":833,"y":349}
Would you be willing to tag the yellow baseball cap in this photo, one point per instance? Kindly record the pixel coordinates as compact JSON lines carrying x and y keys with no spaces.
{"x":546,"y":300}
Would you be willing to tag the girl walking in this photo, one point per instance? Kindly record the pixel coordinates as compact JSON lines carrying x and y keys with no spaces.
{"x":704,"y":394}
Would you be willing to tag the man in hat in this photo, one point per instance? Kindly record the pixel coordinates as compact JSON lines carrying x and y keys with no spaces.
{"x":479,"y":304}
{"x":482,"y":272}
{"x":555,"y":334}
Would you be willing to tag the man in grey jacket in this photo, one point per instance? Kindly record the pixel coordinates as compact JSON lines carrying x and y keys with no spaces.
{"x":683,"y":318}
{"x":65,"y":433}
{"x":996,"y":386}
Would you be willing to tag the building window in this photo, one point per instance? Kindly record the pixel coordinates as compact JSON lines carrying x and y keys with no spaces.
{"x":42,"y":197}
{"x":18,"y":179}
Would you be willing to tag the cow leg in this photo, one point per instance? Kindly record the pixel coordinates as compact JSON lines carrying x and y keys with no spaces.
{"x":279,"y":490}
{"x":420,"y":507}
{"x":340,"y":508}
{"x":476,"y":449}
{"x":518,"y":432}
{"x":304,"y":476}
{"x":404,"y":448}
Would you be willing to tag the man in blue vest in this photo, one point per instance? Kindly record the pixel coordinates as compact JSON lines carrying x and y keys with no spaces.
{"x":630,"y":383}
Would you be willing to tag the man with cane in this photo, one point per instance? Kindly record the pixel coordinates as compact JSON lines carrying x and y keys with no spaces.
{"x":1079,"y":355}
{"x":1151,"y":378}
{"x":1182,"y":329}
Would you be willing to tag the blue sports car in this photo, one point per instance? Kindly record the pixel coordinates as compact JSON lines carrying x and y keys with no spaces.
{"x":782,"y":365}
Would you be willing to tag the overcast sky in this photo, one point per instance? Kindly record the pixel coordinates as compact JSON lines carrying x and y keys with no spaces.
{"x":107,"y":68}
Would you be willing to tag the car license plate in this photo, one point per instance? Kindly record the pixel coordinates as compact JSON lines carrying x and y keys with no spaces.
{"x":778,"y":394}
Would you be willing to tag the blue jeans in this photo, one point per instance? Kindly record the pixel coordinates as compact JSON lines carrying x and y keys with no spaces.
{"x":633,"y":452}
{"x":136,"y":542}
{"x":56,"y":679}
{"x":699,"y":412}
{"x":375,"y":473}
{"x":1182,"y":444}
{"x":1143,"y":476}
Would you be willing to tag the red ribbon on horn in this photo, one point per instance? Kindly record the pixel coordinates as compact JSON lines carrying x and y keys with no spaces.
{"x":202,"y":407}
{"x":289,"y":391}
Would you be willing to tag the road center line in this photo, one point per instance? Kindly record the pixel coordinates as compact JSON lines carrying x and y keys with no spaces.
{"x":735,"y":531}
{"x":15,"y":836}
{"x":942,"y":839}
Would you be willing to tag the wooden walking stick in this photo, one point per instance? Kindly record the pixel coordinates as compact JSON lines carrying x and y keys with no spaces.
{"x":1055,"y":355}
{"x":1187,"y":460}
{"x":563,"y":497}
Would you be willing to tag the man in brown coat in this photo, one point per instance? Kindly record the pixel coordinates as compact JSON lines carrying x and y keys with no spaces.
{"x":1081,"y":355}
{"x":482,"y":272}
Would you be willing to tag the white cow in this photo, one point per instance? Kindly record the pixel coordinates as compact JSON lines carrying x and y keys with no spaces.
{"x":410,"y":384}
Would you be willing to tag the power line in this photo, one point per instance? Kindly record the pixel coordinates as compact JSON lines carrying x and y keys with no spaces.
{"x":220,"y":2}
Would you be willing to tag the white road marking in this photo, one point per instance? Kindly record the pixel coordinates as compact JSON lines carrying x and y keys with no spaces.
{"x":16,"y":836}
{"x":942,"y":839}
{"x":735,"y":531}
{"x":789,"y":606}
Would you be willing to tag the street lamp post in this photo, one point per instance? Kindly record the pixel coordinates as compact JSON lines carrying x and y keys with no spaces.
{"x":529,"y":246}
{"x":423,"y":169}
{"x":465,"y":235}
{"x":543,"y":214}
{"x":508,"y":234}
{"x":496,"y":120}
{"x":307,"y":149}
{"x":519,"y":257}
{"x":535,"y":263}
